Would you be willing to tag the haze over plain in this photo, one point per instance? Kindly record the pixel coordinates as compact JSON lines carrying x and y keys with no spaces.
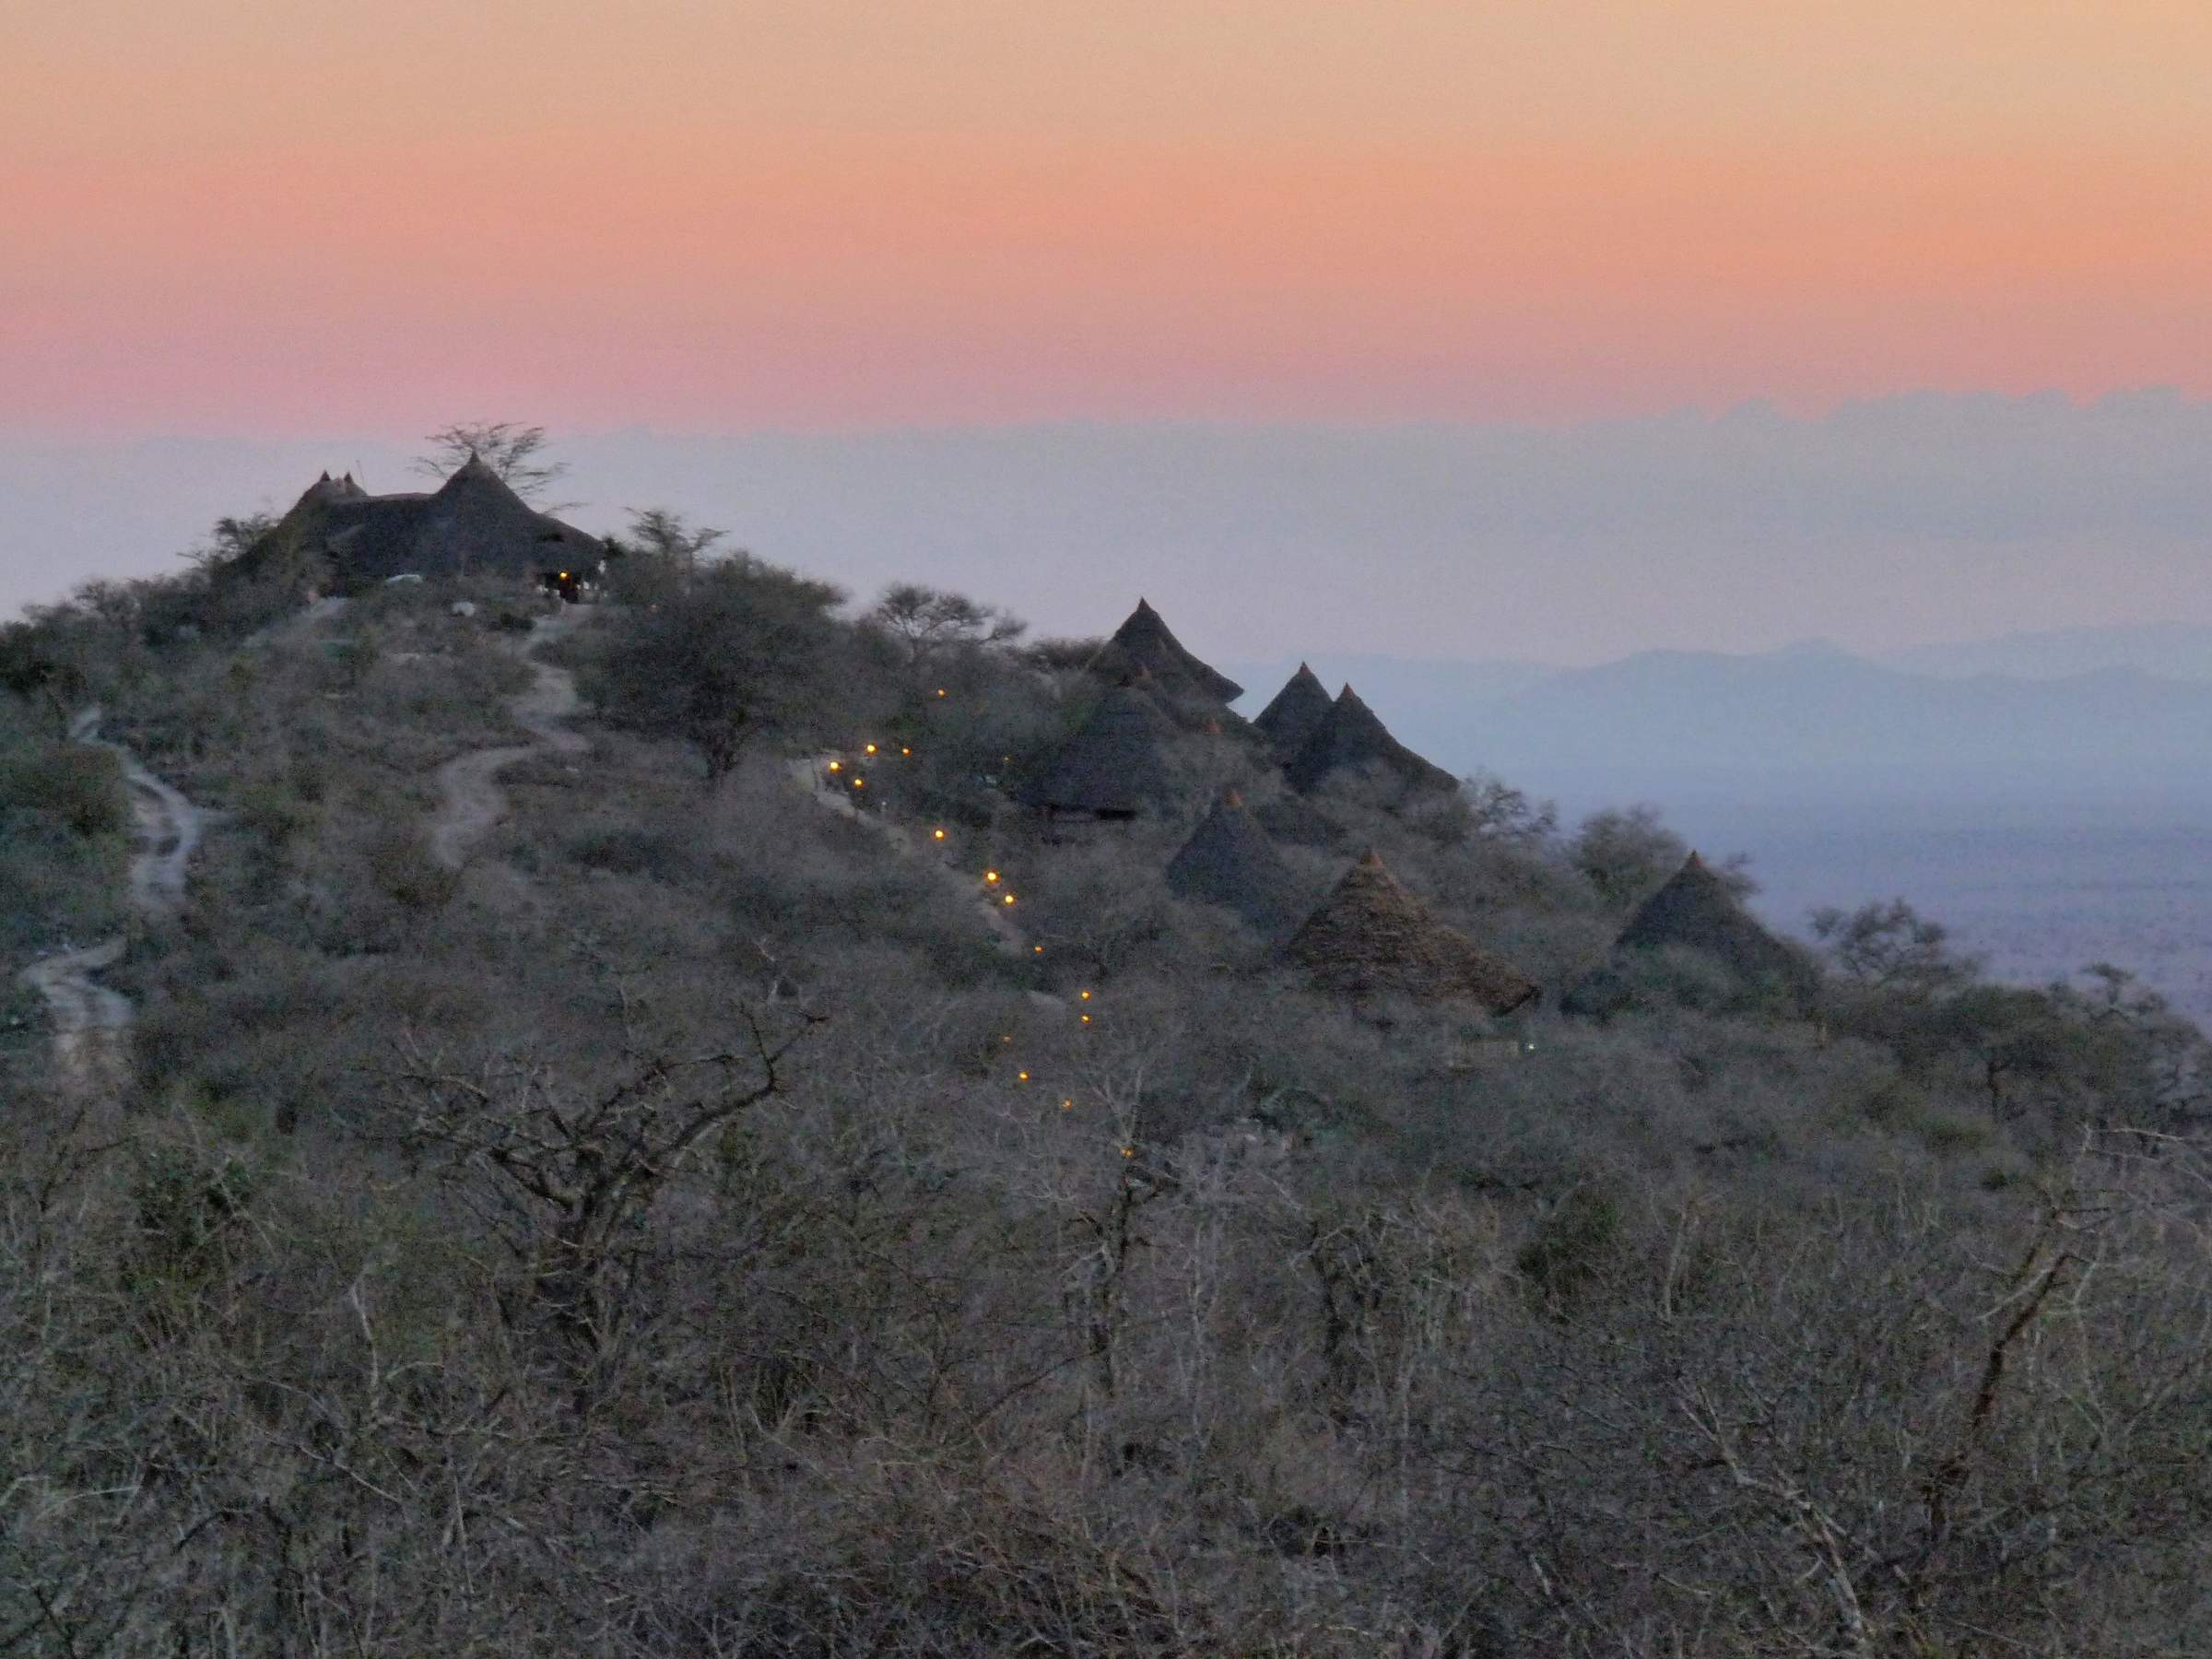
{"x":1771,"y":284}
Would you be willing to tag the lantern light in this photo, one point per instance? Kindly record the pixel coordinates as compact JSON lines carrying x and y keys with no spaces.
{"x":940,"y":690}
{"x":1128,"y":1151}
{"x":1084,"y":995}
{"x":1009,"y":898}
{"x":1086,"y":1019}
{"x":1067,"y":1105}
{"x":871,"y":748}
{"x":989,"y":877}
{"x":1021,"y":1077}
{"x":937,"y":835}
{"x":906,"y":752}
{"x":837,"y":766}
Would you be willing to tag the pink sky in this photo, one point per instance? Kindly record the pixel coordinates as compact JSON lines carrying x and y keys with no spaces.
{"x":233,"y":216}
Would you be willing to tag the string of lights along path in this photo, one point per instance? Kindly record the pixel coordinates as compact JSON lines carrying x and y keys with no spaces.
{"x":992,"y":879}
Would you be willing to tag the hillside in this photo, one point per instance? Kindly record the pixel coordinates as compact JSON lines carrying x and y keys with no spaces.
{"x":699,"y":1123}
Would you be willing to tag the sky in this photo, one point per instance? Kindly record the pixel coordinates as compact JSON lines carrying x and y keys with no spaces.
{"x":248,"y":224}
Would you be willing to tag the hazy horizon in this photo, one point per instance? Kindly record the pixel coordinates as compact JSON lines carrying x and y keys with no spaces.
{"x":1883,"y":525}
{"x":1458,"y":332}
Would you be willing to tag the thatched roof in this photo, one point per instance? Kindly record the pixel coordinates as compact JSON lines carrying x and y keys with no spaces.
{"x":1370,"y":938}
{"x":1115,"y":763}
{"x":1230,"y":860}
{"x":1695,"y":911}
{"x":326,"y":489}
{"x":1293,"y":818}
{"x":1349,"y":737}
{"x":1144,"y":644}
{"x":1296,"y":713}
{"x":472,"y":523}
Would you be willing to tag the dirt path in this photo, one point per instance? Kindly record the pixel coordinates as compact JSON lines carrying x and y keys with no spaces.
{"x":91,"y":1022}
{"x":812,"y":774}
{"x":470,"y":801}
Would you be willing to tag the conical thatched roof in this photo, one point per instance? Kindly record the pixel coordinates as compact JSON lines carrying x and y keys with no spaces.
{"x":1297,"y":712}
{"x":1230,"y":860}
{"x":1370,"y":938}
{"x":1695,"y":911}
{"x":1295,"y":819}
{"x":1144,"y":644}
{"x":1113,"y":763}
{"x":1349,"y":737}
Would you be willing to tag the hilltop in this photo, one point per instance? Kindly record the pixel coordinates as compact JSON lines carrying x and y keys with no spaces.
{"x":735,"y":1118}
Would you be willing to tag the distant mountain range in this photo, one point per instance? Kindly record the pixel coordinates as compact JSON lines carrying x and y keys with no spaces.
{"x":2129,"y":706}
{"x":2176,"y":650}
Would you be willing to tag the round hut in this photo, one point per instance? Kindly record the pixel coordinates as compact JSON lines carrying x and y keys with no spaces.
{"x":1230,"y":862}
{"x":1371,"y":938}
{"x":1351,"y":738}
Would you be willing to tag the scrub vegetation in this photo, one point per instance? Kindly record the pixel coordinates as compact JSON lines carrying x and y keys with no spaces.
{"x":692,"y":1227}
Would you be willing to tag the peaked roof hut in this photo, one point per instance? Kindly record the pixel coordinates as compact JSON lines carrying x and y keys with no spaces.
{"x":1350,"y":736}
{"x":474,"y":522}
{"x":1230,"y":860}
{"x":1695,"y":911}
{"x":1297,"y":712}
{"x":1370,"y":938}
{"x":1114,"y":765}
{"x":1293,"y":818}
{"x":1144,"y":644}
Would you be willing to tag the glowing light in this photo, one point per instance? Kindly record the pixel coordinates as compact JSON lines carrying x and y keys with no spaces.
{"x":1037,"y":949}
{"x":936,"y":835}
{"x":1084,"y":995}
{"x":1086,"y":1019}
{"x":1009,"y":898}
{"x":989,"y":877}
{"x":837,"y":766}
{"x":906,"y":752}
{"x":1005,"y":1039}
{"x":1128,"y":1151}
{"x":860,"y":782}
{"x":940,"y":690}
{"x":1067,"y":1105}
{"x":1021,"y":1077}
{"x":871,"y":748}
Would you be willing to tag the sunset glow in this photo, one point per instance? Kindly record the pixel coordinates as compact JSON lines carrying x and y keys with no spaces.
{"x":829,"y":216}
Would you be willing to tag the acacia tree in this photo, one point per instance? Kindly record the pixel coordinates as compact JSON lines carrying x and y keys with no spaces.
{"x":568,"y":1179}
{"x":514,"y":452}
{"x":745,"y":649}
{"x":927,"y":621}
{"x":1625,"y":854}
{"x":1893,"y":948}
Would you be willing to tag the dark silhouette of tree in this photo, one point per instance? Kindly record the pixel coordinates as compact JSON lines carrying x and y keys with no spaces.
{"x":514,"y":452}
{"x":928,"y":622}
{"x":745,"y":649}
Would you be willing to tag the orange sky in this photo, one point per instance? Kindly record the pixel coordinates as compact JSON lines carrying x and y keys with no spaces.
{"x":268,"y":216}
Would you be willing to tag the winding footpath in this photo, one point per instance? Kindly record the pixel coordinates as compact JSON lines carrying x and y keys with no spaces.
{"x":811,"y":773}
{"x":91,"y":1022}
{"x":470,"y":801}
